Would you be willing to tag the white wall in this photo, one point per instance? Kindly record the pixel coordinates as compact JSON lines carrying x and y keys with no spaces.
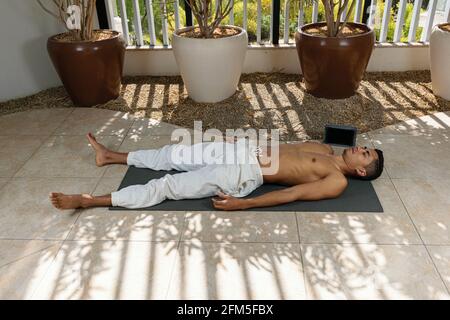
{"x":25,"y":67}
{"x":385,"y":57}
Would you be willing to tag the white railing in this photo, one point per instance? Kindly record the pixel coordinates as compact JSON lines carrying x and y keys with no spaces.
{"x":400,"y":20}
{"x":379,"y":15}
{"x":358,"y":11}
{"x":429,"y":23}
{"x":150,"y":22}
{"x":385,"y":22}
{"x":414,"y":21}
{"x":124,"y":20}
{"x":447,"y":10}
{"x":137,"y":23}
{"x":315,"y":11}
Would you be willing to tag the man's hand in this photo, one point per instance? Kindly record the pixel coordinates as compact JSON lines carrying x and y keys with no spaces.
{"x":327,"y":188}
{"x":228,"y":203}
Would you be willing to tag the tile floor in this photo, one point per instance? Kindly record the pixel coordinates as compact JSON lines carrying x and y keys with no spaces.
{"x":402,"y":253}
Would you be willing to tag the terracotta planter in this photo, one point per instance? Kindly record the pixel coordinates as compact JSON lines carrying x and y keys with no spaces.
{"x":210,"y":68}
{"x":91,"y":71}
{"x":333,"y":67}
{"x":439,"y":61}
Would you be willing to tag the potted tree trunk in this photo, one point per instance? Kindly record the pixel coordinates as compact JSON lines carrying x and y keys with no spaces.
{"x":210,"y":56}
{"x":89,"y":62}
{"x":334,"y":54}
{"x":439,"y":60}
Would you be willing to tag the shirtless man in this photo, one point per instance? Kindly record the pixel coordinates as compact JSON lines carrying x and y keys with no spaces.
{"x":309,"y":170}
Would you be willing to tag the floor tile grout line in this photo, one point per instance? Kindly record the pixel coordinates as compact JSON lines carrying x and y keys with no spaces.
{"x":423,"y":242}
{"x":363,"y":244}
{"x":301,"y":257}
{"x":177,"y":241}
{"x":438,"y":245}
{"x":30,"y":239}
{"x":100,"y":135}
{"x":84,"y":135}
{"x":437,"y":269}
{"x":172,"y":271}
{"x":26,"y":256}
{"x":24,"y":135}
{"x":407,"y":212}
{"x":74,"y":108}
{"x":185,"y":223}
{"x":65,"y":118}
{"x":71,"y":109}
{"x":227,"y":242}
{"x":54,"y":177}
{"x":305,"y":276}
{"x":90,"y":240}
{"x":178,"y":252}
{"x":44,"y":140}
{"x":292,"y":242}
{"x":62,"y":122}
{"x":426,"y":179}
{"x":298,"y":227}
{"x":38,"y":285}
{"x":370,"y":133}
{"x":8,"y":180}
{"x":373,"y":145}
{"x":233,"y":242}
{"x":239,"y":242}
{"x":442,"y":278}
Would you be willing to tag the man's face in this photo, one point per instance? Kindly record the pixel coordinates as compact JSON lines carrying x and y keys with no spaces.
{"x":359,"y":158}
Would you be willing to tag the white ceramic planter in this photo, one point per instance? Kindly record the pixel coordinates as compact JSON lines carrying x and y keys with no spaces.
{"x":440,"y":62}
{"x":210,"y":68}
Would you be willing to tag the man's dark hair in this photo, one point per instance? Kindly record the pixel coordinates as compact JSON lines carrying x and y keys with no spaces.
{"x":375,"y":168}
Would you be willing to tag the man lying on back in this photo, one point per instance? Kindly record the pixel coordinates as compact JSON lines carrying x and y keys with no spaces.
{"x":309,"y":170}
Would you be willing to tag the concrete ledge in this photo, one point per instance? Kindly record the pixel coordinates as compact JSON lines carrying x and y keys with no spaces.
{"x":160,"y":61}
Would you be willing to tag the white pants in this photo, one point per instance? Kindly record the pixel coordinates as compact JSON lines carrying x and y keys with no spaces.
{"x":209,"y":173}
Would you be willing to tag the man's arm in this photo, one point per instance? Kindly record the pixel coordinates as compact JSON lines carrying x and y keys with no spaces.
{"x":330,"y":187}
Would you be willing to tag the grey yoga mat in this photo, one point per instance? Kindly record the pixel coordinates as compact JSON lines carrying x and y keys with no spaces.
{"x":359,"y":196}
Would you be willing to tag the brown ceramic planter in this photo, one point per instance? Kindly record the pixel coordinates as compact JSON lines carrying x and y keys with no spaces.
{"x":333,"y":67}
{"x":91,"y":71}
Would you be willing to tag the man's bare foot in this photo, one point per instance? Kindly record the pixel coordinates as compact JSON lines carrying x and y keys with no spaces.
{"x":101,"y":152}
{"x":63,"y":201}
